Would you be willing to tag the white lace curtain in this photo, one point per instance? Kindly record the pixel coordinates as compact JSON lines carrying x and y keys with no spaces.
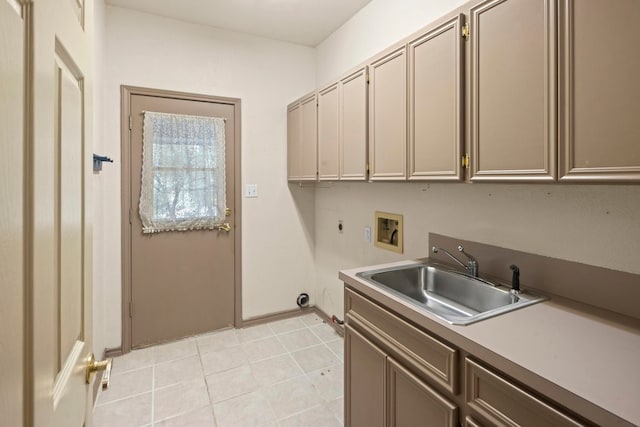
{"x":183,"y":172}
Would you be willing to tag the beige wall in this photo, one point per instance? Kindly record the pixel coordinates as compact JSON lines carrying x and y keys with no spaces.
{"x":147,"y":50}
{"x":376,"y":26}
{"x":597,"y":225}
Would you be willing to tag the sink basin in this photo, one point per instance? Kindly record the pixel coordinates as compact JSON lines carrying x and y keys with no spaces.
{"x":454,"y":297}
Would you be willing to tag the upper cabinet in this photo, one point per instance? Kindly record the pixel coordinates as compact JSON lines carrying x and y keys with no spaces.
{"x":436,"y":73}
{"x":388,"y":116}
{"x":353,"y":125}
{"x":342,"y":128}
{"x":294,"y":153}
{"x":599,"y":60}
{"x":302,"y":139}
{"x":328,"y":133}
{"x":512,"y":90}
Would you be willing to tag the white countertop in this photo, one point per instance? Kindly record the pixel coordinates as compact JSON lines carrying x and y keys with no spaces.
{"x":593,"y":357}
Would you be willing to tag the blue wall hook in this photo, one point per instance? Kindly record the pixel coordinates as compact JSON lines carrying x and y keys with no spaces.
{"x":97,"y":162}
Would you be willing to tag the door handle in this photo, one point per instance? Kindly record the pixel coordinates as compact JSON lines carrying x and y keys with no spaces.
{"x":225,"y":226}
{"x":94,"y":366}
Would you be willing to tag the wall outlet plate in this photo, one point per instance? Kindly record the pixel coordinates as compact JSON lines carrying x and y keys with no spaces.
{"x":367,"y":234}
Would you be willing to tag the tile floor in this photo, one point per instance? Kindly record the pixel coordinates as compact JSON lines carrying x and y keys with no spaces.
{"x":284,"y":373}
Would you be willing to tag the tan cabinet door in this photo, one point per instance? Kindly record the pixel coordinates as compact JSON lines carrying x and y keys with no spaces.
{"x":294,"y":150}
{"x":60,"y":242}
{"x":309,"y":138}
{"x":513,"y":90}
{"x":328,"y":133}
{"x":388,"y":116}
{"x":599,"y":90}
{"x":413,"y":403}
{"x":365,"y":379}
{"x":436,"y":103}
{"x":353,"y":126}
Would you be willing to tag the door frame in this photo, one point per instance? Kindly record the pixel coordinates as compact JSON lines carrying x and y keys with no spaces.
{"x":125,"y":107}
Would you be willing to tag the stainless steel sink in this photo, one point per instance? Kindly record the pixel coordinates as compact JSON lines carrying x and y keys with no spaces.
{"x":452,"y":296}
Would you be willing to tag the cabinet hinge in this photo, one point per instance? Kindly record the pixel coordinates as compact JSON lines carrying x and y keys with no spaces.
{"x":131,"y":309}
{"x":465,"y":161}
{"x":368,"y":169}
{"x":130,"y":122}
{"x":367,"y":76}
{"x":465,"y":31}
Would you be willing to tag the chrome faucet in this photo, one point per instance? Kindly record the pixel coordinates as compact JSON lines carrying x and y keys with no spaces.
{"x":472,"y":263}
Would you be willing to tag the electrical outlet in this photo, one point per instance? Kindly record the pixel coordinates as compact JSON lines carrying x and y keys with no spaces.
{"x":251,"y":190}
{"x":367,"y":234}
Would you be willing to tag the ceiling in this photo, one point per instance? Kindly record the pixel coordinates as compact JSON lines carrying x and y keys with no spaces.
{"x":306,"y":22}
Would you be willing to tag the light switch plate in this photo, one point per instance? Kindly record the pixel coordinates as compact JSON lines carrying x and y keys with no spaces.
{"x":367,"y":234}
{"x":251,"y":190}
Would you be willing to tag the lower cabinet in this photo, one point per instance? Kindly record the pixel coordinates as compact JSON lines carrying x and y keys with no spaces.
{"x":399,"y":375}
{"x":381,"y":392}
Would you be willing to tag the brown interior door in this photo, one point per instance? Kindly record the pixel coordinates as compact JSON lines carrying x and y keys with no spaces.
{"x":182,"y":282}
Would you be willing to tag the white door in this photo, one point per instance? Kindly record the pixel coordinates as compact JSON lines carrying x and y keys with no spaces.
{"x":12,"y":223}
{"x":59,"y":211}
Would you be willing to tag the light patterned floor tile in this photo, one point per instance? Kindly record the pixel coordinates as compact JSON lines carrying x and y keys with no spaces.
{"x":314,"y":358}
{"x":337,"y":347}
{"x":263,"y":349}
{"x":202,"y":417}
{"x":329,"y":382}
{"x":251,"y":377}
{"x":311,"y":319}
{"x":131,"y":412}
{"x":135,"y":359}
{"x":337,"y":408}
{"x":254,"y":333}
{"x":223,"y":360}
{"x":325,"y":332}
{"x":297,"y":340}
{"x":318,"y":416}
{"x":231,"y":383}
{"x":127,"y":384}
{"x":275,"y":370}
{"x":251,"y":409}
{"x":179,"y":398}
{"x":175,"y":350}
{"x":217,"y":341}
{"x":176,"y":371}
{"x":292,"y":396}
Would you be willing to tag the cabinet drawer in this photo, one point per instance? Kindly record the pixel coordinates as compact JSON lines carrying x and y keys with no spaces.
{"x":426,"y":354}
{"x":503,"y":403}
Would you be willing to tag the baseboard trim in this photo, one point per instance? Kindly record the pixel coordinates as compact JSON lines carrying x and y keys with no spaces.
{"x":113,"y":352}
{"x":280,"y":315}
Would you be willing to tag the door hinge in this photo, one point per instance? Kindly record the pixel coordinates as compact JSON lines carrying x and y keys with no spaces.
{"x":130,"y":122}
{"x":465,"y":31}
{"x":131,"y":309}
{"x":465,"y":161}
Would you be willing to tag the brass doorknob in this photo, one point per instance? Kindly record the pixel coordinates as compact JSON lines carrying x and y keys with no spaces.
{"x":94,"y":366}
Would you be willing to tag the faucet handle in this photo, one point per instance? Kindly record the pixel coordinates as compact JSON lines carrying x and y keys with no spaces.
{"x":461,"y":250}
